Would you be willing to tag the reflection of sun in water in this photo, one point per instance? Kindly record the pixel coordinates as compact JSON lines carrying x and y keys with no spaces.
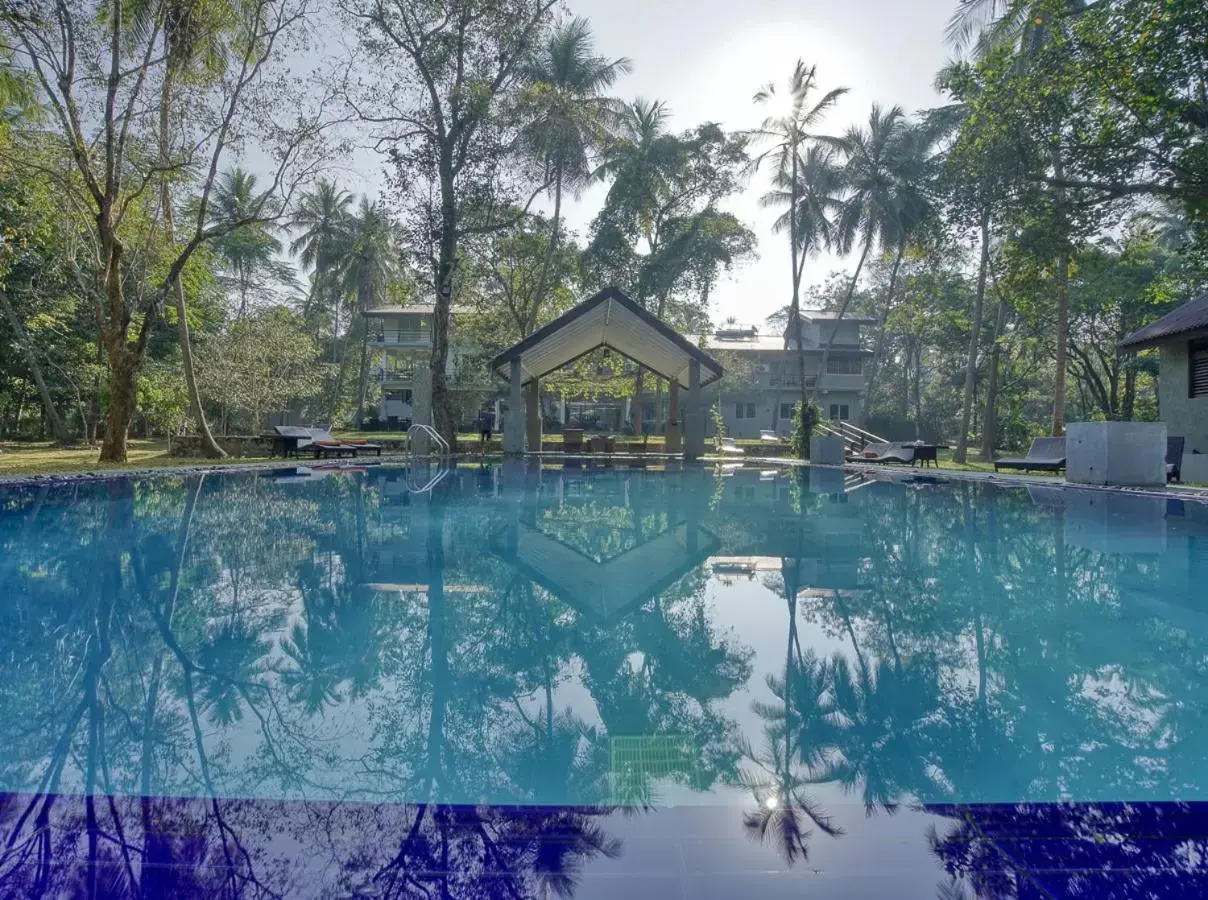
{"x":772,"y":802}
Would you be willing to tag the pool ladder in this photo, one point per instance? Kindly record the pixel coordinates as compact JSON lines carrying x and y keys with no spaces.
{"x":431,"y":433}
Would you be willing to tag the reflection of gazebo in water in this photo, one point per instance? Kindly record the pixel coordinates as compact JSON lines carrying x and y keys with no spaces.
{"x":605,"y":590}
{"x":611,"y":320}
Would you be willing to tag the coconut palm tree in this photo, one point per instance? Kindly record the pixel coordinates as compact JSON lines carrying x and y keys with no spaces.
{"x":247,"y":251}
{"x":372,"y":260}
{"x":195,"y":46}
{"x":879,"y":161}
{"x":812,"y":202}
{"x":787,"y":134}
{"x":572,"y":117}
{"x":323,"y":217}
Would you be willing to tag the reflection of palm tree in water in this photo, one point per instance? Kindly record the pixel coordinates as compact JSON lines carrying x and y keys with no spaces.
{"x":797,"y":733}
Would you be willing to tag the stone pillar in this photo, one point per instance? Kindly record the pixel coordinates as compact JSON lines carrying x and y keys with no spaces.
{"x":694,"y":415}
{"x":674,"y":428}
{"x":562,"y":409}
{"x":513,"y":422}
{"x":532,"y":415}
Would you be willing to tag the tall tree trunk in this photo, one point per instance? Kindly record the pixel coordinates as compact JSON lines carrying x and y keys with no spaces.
{"x":1063,"y":309}
{"x":990,"y":416}
{"x":879,"y":346}
{"x":209,"y":447}
{"x":638,"y":411}
{"x":851,"y":292}
{"x":57,"y":428}
{"x":364,"y":373}
{"x":122,"y":382}
{"x":550,"y":250}
{"x":795,"y":309}
{"x":962,"y":442}
{"x":442,"y":407}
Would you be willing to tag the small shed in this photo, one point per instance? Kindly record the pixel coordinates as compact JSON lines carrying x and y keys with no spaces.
{"x":1181,"y":337}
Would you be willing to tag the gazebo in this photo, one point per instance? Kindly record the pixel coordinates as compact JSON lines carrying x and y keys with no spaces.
{"x":608,"y":319}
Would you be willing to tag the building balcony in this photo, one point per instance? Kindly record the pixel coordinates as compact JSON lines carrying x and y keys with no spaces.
{"x":418,"y":341}
{"x":831,"y":382}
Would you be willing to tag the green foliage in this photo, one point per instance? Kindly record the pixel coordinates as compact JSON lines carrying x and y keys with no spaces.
{"x":263,"y":362}
{"x":806,"y":417}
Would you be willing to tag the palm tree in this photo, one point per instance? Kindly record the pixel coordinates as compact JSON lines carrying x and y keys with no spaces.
{"x":246,"y":250}
{"x":640,"y":158}
{"x":573,"y":117}
{"x":195,"y":45}
{"x":323,"y":217}
{"x":880,"y":199}
{"x":372,"y":260}
{"x":789,"y":133}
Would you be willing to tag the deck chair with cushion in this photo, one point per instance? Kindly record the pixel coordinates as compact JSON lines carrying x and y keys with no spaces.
{"x":728,"y":445}
{"x":1045,"y":455}
{"x":572,"y":440}
{"x":896,"y":452}
{"x":1174,"y":458}
{"x":324,"y":444}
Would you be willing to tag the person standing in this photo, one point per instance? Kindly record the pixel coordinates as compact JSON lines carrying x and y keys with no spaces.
{"x":486,"y":426}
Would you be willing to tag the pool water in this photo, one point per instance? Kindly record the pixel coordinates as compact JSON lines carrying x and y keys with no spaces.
{"x":547,"y":681}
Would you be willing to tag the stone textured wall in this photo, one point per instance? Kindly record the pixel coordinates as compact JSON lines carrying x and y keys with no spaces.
{"x":239,"y":446}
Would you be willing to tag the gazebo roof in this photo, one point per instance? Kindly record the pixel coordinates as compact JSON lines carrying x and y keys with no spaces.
{"x":609,"y":319}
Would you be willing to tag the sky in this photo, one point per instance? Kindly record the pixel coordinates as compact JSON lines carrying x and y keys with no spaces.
{"x":707,"y":58}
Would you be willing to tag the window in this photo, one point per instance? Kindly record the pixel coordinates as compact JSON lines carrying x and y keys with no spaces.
{"x":840,"y":412}
{"x":1197,"y":382}
{"x":744,"y":410}
{"x":844,"y":367}
{"x":786,"y":410}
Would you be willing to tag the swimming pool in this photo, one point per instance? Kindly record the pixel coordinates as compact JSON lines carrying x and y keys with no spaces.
{"x":529,"y":681}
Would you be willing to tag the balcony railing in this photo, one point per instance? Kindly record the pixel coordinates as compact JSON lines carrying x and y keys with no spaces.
{"x":400,"y":339}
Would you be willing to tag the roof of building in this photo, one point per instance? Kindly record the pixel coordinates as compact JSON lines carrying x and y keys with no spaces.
{"x":769,"y":343}
{"x":414,"y":309}
{"x":1192,"y":316}
{"x":609,"y":319}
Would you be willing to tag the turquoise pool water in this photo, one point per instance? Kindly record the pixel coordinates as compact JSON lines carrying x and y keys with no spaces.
{"x":774,"y":647}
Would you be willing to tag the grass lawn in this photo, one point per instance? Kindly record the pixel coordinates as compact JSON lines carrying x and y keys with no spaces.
{"x":46,"y":459}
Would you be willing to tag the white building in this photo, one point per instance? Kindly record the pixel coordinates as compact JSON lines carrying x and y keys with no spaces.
{"x":765,"y":402}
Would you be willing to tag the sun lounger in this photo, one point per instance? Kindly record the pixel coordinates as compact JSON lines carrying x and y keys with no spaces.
{"x":727,"y":445}
{"x":1045,"y":455}
{"x":770,"y":437}
{"x":1174,"y":458}
{"x":324,"y":444}
{"x":896,"y":452}
{"x":572,"y":440}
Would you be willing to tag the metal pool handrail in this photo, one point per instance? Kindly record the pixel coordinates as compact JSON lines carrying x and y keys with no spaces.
{"x":432,"y":433}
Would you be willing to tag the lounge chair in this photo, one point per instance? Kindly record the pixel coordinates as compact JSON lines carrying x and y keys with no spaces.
{"x":896,"y":452}
{"x":572,"y":440}
{"x":1174,"y":458}
{"x":324,"y":444}
{"x":727,"y":445}
{"x":770,"y":437}
{"x":1045,"y":455}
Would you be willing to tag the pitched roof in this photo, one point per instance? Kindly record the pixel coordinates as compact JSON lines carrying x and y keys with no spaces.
{"x":609,"y":319}
{"x":1191,"y":316}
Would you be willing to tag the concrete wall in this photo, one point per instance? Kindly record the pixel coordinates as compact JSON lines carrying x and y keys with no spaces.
{"x":1116,"y":453}
{"x":1183,"y":415}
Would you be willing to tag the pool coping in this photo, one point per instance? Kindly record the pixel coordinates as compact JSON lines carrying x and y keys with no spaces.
{"x":880,"y":473}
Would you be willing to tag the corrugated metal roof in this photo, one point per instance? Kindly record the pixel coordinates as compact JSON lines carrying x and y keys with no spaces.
{"x":609,"y":319}
{"x":1191,"y":316}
